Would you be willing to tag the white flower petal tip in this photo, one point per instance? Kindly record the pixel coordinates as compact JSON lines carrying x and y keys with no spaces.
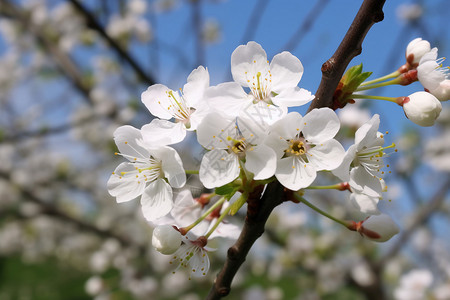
{"x":166,"y":239}
{"x":422,"y":108}
{"x":378,"y":228}
{"x":416,"y":49}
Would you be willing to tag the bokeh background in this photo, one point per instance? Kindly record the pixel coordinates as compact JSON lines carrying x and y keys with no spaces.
{"x":72,"y":71}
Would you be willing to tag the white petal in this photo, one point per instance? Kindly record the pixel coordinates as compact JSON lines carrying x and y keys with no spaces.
{"x":125,"y":188}
{"x":320,"y":125}
{"x":262,"y":113}
{"x":343,"y":171}
{"x":157,"y":101}
{"x":156,"y":201}
{"x":287,"y":70}
{"x":327,"y":155}
{"x":126,"y":138}
{"x":367,"y":133}
{"x":293,"y":96}
{"x":261,"y":161}
{"x":365,"y":204}
{"x":197,"y":83}
{"x":288,"y":127}
{"x":364,"y":183}
{"x":185,"y":210}
{"x":294,"y":175}
{"x":218,"y":168}
{"x":225,"y":230}
{"x":228,"y":98}
{"x":162,"y":132}
{"x":247,"y":60}
{"x":172,"y":166}
{"x":213,"y":131}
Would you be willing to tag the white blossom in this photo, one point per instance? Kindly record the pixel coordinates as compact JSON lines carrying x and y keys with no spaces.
{"x":166,"y":239}
{"x":273,"y":87}
{"x":187,"y":108}
{"x":416,"y":49}
{"x":305,"y":145}
{"x":145,"y":174}
{"x":230,"y":141}
{"x":422,"y":108}
{"x":433,"y":76}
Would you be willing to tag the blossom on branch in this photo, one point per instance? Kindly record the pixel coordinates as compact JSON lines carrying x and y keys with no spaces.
{"x":273,"y":87}
{"x":305,"y":145}
{"x":150,"y":172}
{"x":187,"y":107}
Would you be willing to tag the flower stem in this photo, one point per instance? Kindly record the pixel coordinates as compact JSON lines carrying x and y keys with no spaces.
{"x":377,"y":85}
{"x":209,"y":211}
{"x":304,"y":201}
{"x":360,"y":96}
{"x":326,"y":187}
{"x":219,"y":220}
{"x":383,"y":78}
{"x":191,"y":171}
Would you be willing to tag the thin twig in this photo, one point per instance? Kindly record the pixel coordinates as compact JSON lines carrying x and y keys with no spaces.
{"x":92,"y":22}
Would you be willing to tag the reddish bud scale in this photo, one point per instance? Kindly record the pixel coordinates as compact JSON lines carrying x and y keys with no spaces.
{"x":344,"y":186}
{"x":214,"y":214}
{"x":201,"y":242}
{"x":203,"y":199}
{"x":408,"y":77}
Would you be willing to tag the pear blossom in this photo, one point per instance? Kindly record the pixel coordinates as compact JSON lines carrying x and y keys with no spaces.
{"x":363,"y":160}
{"x":187,"y":107}
{"x":416,"y":49}
{"x":192,"y":255}
{"x":305,"y":145}
{"x":149,"y":173}
{"x":230,"y":141}
{"x":166,"y":239}
{"x":273,"y":87}
{"x":422,"y":108}
{"x":433,"y":76}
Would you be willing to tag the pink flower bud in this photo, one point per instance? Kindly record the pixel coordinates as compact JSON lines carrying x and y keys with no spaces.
{"x":422,"y":108}
{"x":166,"y":239}
{"x":379,"y":228}
{"x":416,"y":49}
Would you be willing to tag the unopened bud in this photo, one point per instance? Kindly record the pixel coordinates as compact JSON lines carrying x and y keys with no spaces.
{"x":166,"y":239}
{"x":415,"y":50}
{"x":422,"y":108}
{"x":379,"y":228}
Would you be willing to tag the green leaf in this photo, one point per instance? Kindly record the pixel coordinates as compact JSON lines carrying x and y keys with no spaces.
{"x":238,"y":204}
{"x":225,"y":189}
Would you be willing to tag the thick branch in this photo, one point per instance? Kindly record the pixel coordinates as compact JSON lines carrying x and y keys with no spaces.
{"x":371,"y":12}
{"x":252,"y":230}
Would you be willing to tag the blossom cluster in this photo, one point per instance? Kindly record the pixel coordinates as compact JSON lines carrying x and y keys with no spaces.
{"x":250,"y":139}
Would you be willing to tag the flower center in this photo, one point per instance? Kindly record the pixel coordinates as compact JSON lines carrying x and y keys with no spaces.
{"x":178,"y":107}
{"x":261,"y":87}
{"x":297,"y":147}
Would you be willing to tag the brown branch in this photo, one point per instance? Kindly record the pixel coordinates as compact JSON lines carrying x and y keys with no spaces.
{"x":371,"y":12}
{"x":91,"y":22}
{"x":253,"y":228}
